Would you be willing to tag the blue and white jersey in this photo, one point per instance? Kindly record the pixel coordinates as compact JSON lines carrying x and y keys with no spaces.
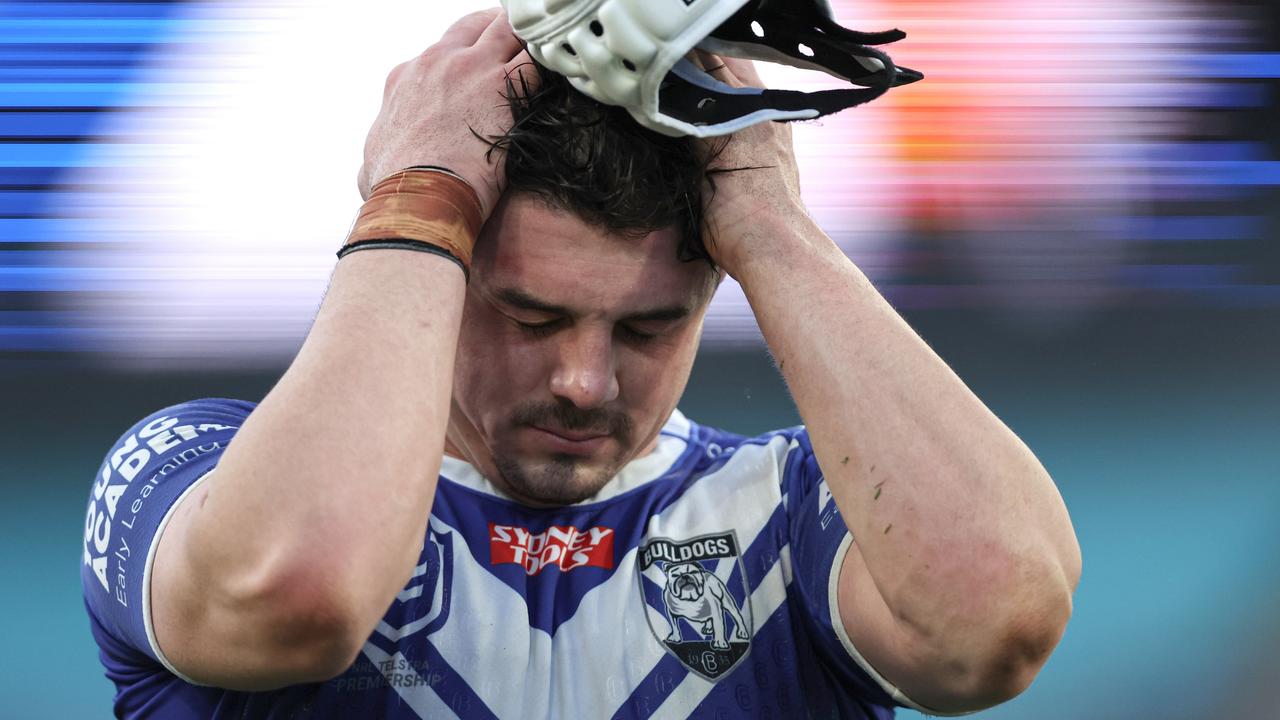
{"x":700,"y":582}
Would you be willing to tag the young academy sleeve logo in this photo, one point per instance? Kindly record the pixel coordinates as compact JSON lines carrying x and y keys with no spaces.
{"x":700,"y":587}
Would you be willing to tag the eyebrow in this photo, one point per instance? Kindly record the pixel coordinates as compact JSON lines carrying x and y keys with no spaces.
{"x":524,"y":301}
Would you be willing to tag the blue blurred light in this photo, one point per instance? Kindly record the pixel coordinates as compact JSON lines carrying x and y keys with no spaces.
{"x":1236,"y":65}
{"x":1183,"y":228}
{"x":24,"y":230}
{"x":78,"y":31}
{"x":46,"y":124}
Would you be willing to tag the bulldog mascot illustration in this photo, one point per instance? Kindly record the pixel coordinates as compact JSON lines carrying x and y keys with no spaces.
{"x":704,"y":581}
{"x":702,"y":599}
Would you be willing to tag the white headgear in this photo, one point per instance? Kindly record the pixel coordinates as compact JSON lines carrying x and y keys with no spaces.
{"x":631,"y":53}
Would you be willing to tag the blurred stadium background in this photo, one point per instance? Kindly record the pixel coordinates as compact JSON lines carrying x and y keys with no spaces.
{"x":1080,"y":210}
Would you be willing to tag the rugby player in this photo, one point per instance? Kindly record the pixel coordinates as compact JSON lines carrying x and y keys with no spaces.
{"x":472,"y":495}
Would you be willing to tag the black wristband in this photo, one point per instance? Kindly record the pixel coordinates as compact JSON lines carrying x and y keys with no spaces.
{"x":403,"y":244}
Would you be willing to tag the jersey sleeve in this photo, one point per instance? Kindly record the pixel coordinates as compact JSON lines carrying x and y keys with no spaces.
{"x":819,"y":541}
{"x":142,"y":479}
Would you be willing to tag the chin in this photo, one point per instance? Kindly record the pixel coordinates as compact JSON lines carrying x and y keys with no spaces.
{"x":561,"y":480}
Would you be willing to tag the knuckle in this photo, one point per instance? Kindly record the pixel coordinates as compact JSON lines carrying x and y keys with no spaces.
{"x":471,"y":19}
{"x":429,"y":55}
{"x":393,"y":77}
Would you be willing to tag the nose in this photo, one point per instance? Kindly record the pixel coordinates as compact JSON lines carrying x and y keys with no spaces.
{"x":585,"y":374}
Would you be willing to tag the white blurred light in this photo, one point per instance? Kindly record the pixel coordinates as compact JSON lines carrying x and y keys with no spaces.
{"x":228,"y":188}
{"x":234,"y":179}
{"x":222,"y":196}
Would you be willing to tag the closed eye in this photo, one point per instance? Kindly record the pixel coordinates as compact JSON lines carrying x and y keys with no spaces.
{"x":636,"y":336}
{"x":541,"y":329}
{"x":545,"y":328}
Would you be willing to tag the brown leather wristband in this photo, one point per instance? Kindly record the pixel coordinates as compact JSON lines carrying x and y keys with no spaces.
{"x":426,"y":205}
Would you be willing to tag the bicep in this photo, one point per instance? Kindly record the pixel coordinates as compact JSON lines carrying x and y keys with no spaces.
{"x":880,"y":644}
{"x":226,"y":634}
{"x":873,"y":634}
{"x":853,"y":628}
{"x":187,"y":640}
{"x":148,"y":580}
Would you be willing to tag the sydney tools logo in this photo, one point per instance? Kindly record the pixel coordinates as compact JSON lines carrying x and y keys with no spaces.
{"x":565,"y":547}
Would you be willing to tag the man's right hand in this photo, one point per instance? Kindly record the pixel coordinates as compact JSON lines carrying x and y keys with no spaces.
{"x":433,"y":102}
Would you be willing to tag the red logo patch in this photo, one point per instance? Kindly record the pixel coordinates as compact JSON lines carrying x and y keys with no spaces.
{"x":561,"y":547}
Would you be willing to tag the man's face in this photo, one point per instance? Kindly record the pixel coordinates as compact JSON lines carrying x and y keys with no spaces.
{"x":575,"y":347}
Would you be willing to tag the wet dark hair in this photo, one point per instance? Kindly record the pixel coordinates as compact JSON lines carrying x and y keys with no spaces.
{"x":597,"y":162}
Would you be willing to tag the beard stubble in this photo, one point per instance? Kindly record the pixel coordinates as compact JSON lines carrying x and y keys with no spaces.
{"x":563,"y":479}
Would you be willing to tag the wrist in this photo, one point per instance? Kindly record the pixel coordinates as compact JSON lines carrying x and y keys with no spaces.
{"x":427,"y":209}
{"x":479,"y":179}
{"x":762,"y":237}
{"x":487,"y":192}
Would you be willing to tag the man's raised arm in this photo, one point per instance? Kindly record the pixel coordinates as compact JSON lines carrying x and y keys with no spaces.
{"x":277,"y":569}
{"x":959,"y":583}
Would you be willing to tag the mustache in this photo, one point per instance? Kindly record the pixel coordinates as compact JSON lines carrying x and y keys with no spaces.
{"x":565,"y":416}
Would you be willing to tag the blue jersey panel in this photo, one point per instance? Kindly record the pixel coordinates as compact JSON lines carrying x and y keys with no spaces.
{"x":141,"y":478}
{"x":817,"y":533}
{"x":831,"y":683}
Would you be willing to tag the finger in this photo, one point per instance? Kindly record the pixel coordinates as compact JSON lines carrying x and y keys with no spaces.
{"x":744,"y":71}
{"x":717,"y":67}
{"x":523,"y":75}
{"x":522,"y":61}
{"x":393,"y":77}
{"x":467,"y":30}
{"x":500,"y":39}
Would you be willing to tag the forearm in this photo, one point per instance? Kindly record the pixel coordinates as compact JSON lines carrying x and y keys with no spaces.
{"x":960,"y":526}
{"x":326,"y":489}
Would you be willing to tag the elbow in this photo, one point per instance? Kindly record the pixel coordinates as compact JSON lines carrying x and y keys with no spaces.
{"x":1028,"y":618}
{"x":295,"y":627}
{"x":1014,"y":661}
{"x":1007,"y":611}
{"x":315,"y":643}
{"x":251,"y":611}
{"x":1008,"y":657}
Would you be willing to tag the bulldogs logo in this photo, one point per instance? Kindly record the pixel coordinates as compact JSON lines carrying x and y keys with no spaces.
{"x":694,"y":586}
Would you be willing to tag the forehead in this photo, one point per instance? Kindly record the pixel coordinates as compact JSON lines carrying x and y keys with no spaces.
{"x":556,"y":257}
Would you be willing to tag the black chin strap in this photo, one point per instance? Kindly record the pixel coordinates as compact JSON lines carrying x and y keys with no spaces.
{"x":788,"y":26}
{"x":810,"y":14}
{"x":700,"y":105}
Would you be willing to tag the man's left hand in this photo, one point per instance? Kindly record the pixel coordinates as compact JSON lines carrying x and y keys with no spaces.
{"x":749,"y":201}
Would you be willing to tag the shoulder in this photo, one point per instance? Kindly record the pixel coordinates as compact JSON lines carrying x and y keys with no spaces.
{"x":716,"y":447}
{"x":205,"y":410}
{"x":143,"y":475}
{"x":706,"y":436}
{"x":781,"y":459}
{"x":171,"y":430}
